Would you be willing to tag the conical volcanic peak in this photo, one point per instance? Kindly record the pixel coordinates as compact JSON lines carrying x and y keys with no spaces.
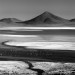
{"x":46,"y":13}
{"x":10,"y":20}
{"x":46,"y":18}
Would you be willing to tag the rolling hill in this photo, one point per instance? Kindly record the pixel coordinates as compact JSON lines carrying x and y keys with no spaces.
{"x":10,"y":20}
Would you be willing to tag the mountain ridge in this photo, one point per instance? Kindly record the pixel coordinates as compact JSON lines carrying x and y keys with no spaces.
{"x":46,"y":18}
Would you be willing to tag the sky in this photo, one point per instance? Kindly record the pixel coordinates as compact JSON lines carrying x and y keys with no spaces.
{"x":27,"y":9}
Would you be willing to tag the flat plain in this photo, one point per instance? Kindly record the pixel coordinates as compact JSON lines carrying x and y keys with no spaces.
{"x":38,"y":46}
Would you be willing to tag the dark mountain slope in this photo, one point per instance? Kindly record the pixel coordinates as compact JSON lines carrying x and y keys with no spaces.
{"x":46,"y":18}
{"x":72,"y":20}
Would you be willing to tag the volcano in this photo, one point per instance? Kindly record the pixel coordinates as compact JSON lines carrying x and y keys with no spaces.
{"x":46,"y":18}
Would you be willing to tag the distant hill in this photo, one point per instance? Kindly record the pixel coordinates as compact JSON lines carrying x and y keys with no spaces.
{"x":46,"y":18}
{"x":10,"y":20}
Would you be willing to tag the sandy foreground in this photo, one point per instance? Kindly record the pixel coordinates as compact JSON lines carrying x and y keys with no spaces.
{"x":46,"y":66}
{"x":20,"y":67}
{"x":16,"y":67}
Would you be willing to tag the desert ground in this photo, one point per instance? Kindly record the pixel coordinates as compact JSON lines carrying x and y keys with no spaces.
{"x":43,"y":48}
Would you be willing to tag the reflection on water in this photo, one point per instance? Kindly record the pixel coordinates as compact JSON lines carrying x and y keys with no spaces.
{"x":45,"y":35}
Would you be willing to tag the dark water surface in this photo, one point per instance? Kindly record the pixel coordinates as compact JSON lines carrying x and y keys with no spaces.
{"x":43,"y":32}
{"x":48,"y":35}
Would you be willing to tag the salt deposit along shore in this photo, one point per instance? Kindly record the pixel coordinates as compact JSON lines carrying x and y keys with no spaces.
{"x":44,"y":45}
{"x":37,"y":28}
{"x":9,"y":35}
